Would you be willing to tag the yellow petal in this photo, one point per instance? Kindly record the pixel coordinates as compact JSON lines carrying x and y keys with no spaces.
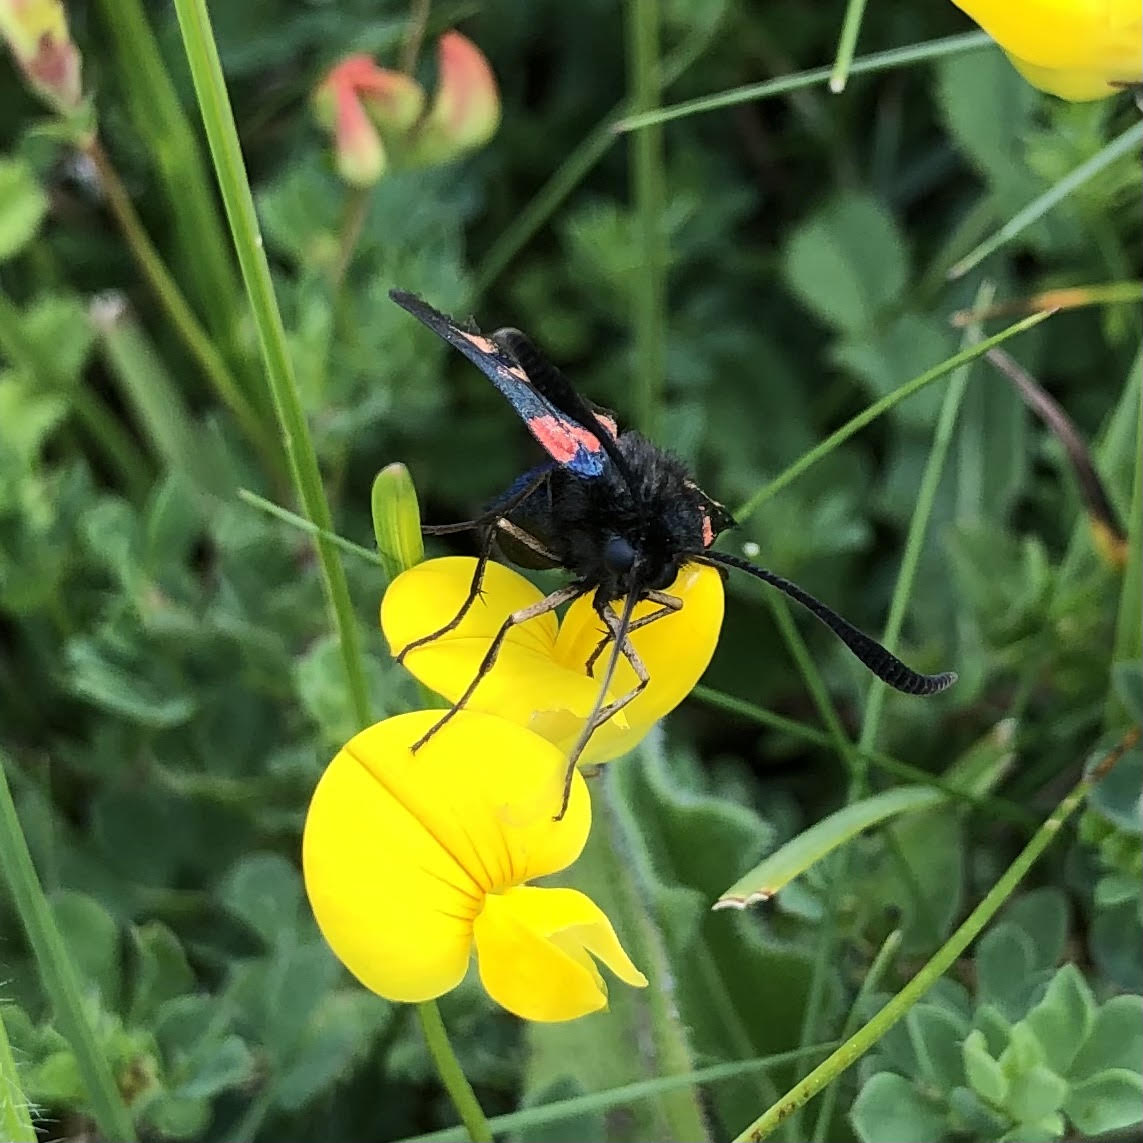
{"x":1098,"y":37}
{"x":676,"y":650}
{"x":532,"y":947}
{"x":528,"y":686}
{"x":540,"y":680}
{"x":1071,"y":84}
{"x":400,"y":849}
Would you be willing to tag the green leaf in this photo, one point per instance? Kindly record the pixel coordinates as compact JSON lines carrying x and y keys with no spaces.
{"x":1035,"y":1093}
{"x":987,"y":107}
{"x":264,"y":892}
{"x":336,"y":1038}
{"x":1127,"y":679}
{"x":1107,"y":1101}
{"x":889,"y":1109}
{"x":23,"y":205}
{"x":109,"y":675}
{"x":1115,"y":1039}
{"x":161,"y":972}
{"x":1043,"y":915}
{"x":937,"y":1035}
{"x":176,"y":1118}
{"x":1043,"y":1130}
{"x":320,"y":681}
{"x":848,"y":262}
{"x":1024,"y":1051}
{"x":810,"y":846}
{"x":1120,"y":795}
{"x":216,"y":1066}
{"x":1063,"y":1018}
{"x":1006,"y":958}
{"x":983,"y":1071}
{"x":92,"y":938}
{"x":970,"y":1115}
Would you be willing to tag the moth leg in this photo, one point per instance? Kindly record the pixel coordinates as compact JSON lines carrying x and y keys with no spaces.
{"x":667,"y":605}
{"x":513,"y":498}
{"x":527,"y":539}
{"x":541,"y":607}
{"x":474,"y":593}
{"x":607,"y":614}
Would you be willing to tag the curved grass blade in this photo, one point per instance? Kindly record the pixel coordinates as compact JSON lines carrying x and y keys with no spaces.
{"x":809,"y":847}
{"x":876,"y":61}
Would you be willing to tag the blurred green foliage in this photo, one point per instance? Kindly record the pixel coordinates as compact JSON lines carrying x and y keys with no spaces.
{"x":169,"y":689}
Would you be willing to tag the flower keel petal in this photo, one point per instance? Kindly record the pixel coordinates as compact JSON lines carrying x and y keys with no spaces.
{"x":532,"y":947}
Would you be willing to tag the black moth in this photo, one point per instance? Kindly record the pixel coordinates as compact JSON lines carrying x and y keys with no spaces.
{"x":616,"y":511}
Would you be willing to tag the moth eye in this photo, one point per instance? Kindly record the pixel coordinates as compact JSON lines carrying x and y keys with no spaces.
{"x":618,"y":555}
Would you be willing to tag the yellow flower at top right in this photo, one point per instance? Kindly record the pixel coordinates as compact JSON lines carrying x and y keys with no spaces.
{"x":1076,"y":49}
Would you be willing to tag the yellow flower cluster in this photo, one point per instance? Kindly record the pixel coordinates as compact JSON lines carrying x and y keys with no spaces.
{"x":415,"y":861}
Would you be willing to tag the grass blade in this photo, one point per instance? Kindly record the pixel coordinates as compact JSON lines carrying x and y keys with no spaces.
{"x":533,"y":1117}
{"x":57,"y":973}
{"x":850,"y":28}
{"x":876,"y":61}
{"x":222,"y":135}
{"x":1038,"y":207}
{"x":821,"y":839}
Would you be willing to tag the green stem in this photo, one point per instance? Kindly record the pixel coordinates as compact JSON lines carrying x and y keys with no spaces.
{"x":858,"y":1044}
{"x":222,"y":135}
{"x":15,"y":1122}
{"x":1037,"y":208}
{"x":308,"y":526}
{"x":452,"y":1074}
{"x":1129,"y":625}
{"x":57,"y":973}
{"x":872,"y":412}
{"x":877,"y":970}
{"x":843,"y":62}
{"x":649,"y":183}
{"x":119,"y":448}
{"x":177,"y":308}
{"x":877,"y":61}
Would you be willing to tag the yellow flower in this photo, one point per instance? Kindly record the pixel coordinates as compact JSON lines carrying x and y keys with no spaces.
{"x":412,"y":860}
{"x":1076,"y":49}
{"x":539,"y":680}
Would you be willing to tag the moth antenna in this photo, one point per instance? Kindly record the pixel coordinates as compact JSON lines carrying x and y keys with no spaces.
{"x":881,"y":661}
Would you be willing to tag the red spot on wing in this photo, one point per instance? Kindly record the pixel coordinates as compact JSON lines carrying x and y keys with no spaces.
{"x":707,"y":531}
{"x":562,"y":439}
{"x":609,"y":424}
{"x":482,"y":343}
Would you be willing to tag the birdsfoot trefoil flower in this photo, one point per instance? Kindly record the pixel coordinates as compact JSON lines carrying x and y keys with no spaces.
{"x":413,"y":862}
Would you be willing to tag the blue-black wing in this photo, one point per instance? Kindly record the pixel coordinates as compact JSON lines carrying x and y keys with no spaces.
{"x":568,"y":441}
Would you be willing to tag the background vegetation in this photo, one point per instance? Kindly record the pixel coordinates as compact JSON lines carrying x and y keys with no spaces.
{"x":170,"y":689}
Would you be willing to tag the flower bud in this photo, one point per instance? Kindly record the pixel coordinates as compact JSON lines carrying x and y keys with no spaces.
{"x":358,"y":151}
{"x":37,"y":33}
{"x":466,"y":110}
